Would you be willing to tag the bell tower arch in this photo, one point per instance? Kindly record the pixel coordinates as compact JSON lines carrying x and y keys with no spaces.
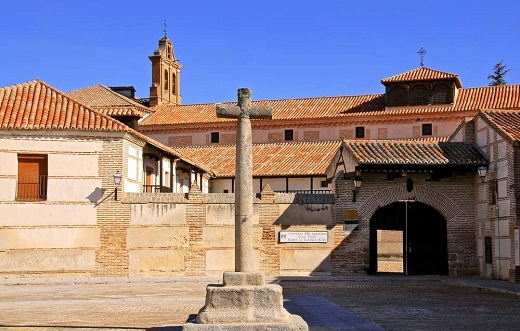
{"x":165,"y":74}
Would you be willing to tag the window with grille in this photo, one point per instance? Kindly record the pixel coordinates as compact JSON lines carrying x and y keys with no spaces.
{"x":397,"y":96}
{"x":419,"y":95}
{"x":441,"y":94}
{"x":32,"y":177}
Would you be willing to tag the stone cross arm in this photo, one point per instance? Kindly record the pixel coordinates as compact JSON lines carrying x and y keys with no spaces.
{"x":244,"y":107}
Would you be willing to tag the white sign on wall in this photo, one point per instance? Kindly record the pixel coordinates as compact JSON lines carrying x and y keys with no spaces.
{"x":304,"y":236}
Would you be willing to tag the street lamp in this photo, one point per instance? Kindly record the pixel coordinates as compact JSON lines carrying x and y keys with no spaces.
{"x":357,"y":184}
{"x":482,"y":172}
{"x":117,"y":181}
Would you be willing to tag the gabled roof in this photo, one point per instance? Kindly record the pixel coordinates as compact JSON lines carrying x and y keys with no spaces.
{"x":421,"y":74}
{"x":283,"y":109}
{"x":469,"y":100}
{"x":401,"y":152}
{"x":35,"y":105}
{"x":109,"y":102}
{"x":269,"y":160}
{"x":506,"y":122}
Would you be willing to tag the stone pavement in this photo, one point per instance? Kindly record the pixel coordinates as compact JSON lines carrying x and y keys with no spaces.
{"x":326,"y":303}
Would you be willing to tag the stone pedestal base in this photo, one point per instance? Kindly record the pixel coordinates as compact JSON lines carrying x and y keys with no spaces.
{"x":246,"y":303}
{"x":295,"y":324}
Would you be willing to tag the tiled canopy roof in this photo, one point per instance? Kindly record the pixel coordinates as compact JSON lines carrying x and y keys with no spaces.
{"x":348,"y":107}
{"x":400,"y":152}
{"x":421,"y":74}
{"x":269,"y":160}
{"x":109,"y":102}
{"x":506,"y":122}
{"x":36,"y":105}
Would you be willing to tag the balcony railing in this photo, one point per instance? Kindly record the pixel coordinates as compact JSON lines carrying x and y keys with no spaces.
{"x":31,"y":188}
{"x":157,"y":189}
{"x":306,"y":191}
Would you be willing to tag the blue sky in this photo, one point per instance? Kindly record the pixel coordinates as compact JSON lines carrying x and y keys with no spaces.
{"x":281,"y":49}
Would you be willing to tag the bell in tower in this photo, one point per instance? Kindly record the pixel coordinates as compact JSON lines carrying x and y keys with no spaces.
{"x":165,"y":74}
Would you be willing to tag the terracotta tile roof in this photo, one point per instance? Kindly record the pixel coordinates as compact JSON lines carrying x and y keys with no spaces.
{"x":109,"y":102}
{"x":399,"y":152}
{"x":506,"y":122}
{"x":421,"y":74}
{"x":269,"y":160}
{"x":283,"y":109}
{"x":347,"y":107}
{"x":489,"y":97}
{"x":36,"y":105}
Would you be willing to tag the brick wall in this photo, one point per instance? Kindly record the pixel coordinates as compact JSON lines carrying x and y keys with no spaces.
{"x":452,"y":197}
{"x":113,"y":218}
{"x":180,"y":141}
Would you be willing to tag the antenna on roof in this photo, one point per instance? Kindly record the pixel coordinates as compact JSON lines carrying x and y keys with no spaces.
{"x":421,"y":53}
{"x":164,"y":29}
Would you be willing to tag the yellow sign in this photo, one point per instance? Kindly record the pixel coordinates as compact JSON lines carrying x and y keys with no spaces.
{"x":350,"y":214}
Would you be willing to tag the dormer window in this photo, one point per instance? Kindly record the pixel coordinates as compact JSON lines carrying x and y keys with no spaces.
{"x":421,"y":86}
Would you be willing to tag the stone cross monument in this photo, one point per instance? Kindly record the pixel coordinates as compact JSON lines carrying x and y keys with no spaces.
{"x":244,"y":302}
{"x":244,"y":175}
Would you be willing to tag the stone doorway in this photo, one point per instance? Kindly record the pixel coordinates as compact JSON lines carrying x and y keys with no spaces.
{"x":408,"y":237}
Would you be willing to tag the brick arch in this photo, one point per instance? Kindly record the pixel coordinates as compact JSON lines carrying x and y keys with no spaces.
{"x":424,"y":194}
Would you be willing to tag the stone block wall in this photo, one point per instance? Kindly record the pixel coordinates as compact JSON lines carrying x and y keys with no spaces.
{"x":193,"y":234}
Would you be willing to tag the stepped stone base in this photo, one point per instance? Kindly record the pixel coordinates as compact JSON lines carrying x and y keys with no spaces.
{"x":296,"y":323}
{"x":245,"y":303}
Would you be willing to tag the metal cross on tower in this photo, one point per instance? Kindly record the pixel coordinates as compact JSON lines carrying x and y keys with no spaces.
{"x":421,"y":53}
{"x":164,"y":29}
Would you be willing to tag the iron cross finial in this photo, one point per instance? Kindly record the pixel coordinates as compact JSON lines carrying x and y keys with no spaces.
{"x":164,"y":29}
{"x":421,"y":53}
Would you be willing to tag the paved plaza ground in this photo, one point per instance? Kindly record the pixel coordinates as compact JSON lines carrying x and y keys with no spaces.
{"x":326,"y":303}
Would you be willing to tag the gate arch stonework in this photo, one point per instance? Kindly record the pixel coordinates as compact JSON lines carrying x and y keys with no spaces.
{"x":421,"y":193}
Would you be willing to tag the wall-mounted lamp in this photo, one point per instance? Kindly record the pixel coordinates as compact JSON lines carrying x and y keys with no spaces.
{"x":482,"y":172}
{"x":357,"y":181}
{"x":117,"y":181}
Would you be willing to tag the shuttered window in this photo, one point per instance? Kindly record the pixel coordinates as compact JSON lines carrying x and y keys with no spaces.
{"x":32,"y":177}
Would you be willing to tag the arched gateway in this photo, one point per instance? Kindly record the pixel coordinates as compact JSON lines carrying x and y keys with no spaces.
{"x":408,"y":237}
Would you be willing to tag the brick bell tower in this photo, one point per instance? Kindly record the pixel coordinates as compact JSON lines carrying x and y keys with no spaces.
{"x":166,"y":71}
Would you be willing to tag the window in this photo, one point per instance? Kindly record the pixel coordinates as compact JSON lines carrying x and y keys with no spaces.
{"x":441,"y":94}
{"x":289,"y":135}
{"x":215,"y":137}
{"x":360,"y":132}
{"x":488,"y":250}
{"x":174,"y":80}
{"x":397,"y":96}
{"x":324,"y":183}
{"x":166,"y":80}
{"x":32,"y":177}
{"x":419,"y":95}
{"x":427,"y":129}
